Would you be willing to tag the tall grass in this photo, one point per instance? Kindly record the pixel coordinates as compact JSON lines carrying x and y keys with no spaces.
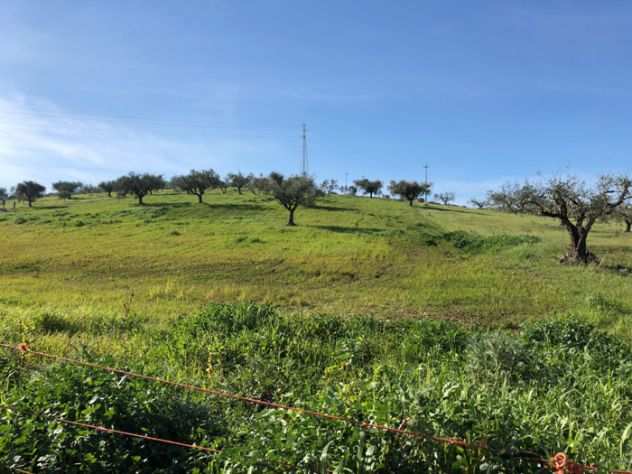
{"x":558,"y":385}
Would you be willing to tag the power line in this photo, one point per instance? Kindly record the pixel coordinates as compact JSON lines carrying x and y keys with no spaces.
{"x":426,"y":182}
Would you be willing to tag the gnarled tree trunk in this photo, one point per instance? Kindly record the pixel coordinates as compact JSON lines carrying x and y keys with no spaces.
{"x":628,"y":226}
{"x":290,"y":220}
{"x":578,"y":251}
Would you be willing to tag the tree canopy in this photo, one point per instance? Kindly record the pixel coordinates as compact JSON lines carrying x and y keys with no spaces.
{"x":370,"y":187}
{"x":108,"y":187}
{"x":258,"y":183}
{"x":197,"y":182}
{"x":29,"y":191}
{"x":408,"y":190}
{"x":139,"y":185}
{"x":3,"y":196}
{"x":624,"y":213}
{"x":478,"y":203}
{"x":292,"y":192}
{"x":506,"y":198}
{"x":329,"y":186}
{"x":65,"y":189}
{"x":237,"y":181}
{"x":576,"y":205}
{"x":445,"y":198}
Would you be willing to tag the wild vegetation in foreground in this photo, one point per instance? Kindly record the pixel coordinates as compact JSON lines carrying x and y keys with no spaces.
{"x":551,"y":386}
{"x":362,"y":291}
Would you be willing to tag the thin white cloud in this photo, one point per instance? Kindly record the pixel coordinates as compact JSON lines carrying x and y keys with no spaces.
{"x":41,"y":141}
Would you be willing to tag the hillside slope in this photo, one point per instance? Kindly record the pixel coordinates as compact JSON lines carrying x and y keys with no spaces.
{"x":105,"y":281}
{"x":96,"y":255}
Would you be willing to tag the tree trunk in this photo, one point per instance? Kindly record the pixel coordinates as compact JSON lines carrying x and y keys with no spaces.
{"x":370,"y":195}
{"x":628,"y":226}
{"x":578,"y":251}
{"x":30,"y":202}
{"x":291,"y":218}
{"x":199,"y":196}
{"x":410,"y":201}
{"x":140,"y":200}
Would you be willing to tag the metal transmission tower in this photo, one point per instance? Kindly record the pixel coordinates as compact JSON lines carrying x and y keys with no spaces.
{"x":304,"y":168}
{"x":426,"y":182}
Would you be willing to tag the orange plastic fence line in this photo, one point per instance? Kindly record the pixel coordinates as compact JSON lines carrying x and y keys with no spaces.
{"x":558,"y":463}
{"x":562,"y":465}
{"x":128,"y":434}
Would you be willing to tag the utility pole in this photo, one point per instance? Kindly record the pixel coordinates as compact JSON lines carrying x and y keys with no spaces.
{"x":304,"y":166}
{"x":426,"y":182}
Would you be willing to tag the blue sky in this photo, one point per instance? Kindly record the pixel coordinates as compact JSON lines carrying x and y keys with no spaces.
{"x":484,"y":92}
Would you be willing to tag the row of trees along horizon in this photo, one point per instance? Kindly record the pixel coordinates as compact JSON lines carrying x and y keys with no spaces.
{"x":290,"y":191}
{"x":577,"y":206}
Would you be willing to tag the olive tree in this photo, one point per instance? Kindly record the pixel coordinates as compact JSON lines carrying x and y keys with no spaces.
{"x":478,"y":203}
{"x":156,"y":182}
{"x":292,"y":192}
{"x":197,"y":182}
{"x":624,"y":213}
{"x":445,"y":198}
{"x":29,"y":191}
{"x":140,"y":185}
{"x":257,"y":184}
{"x":506,"y":198}
{"x":65,"y":189}
{"x":89,"y":189}
{"x":329,"y":186}
{"x":4,"y":195}
{"x":107,"y":187}
{"x":368,"y":186}
{"x":408,"y":190}
{"x":576,"y":205}
{"x":237,"y":181}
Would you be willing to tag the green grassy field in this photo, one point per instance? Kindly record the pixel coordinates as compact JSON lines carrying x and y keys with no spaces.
{"x":453,"y":322}
{"x":94,"y":256}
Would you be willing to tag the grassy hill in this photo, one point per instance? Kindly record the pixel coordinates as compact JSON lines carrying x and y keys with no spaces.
{"x":106,"y":257}
{"x":448,"y":321}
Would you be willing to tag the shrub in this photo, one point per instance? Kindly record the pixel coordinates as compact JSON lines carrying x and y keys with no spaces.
{"x":474,"y":243}
{"x":32,"y":437}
